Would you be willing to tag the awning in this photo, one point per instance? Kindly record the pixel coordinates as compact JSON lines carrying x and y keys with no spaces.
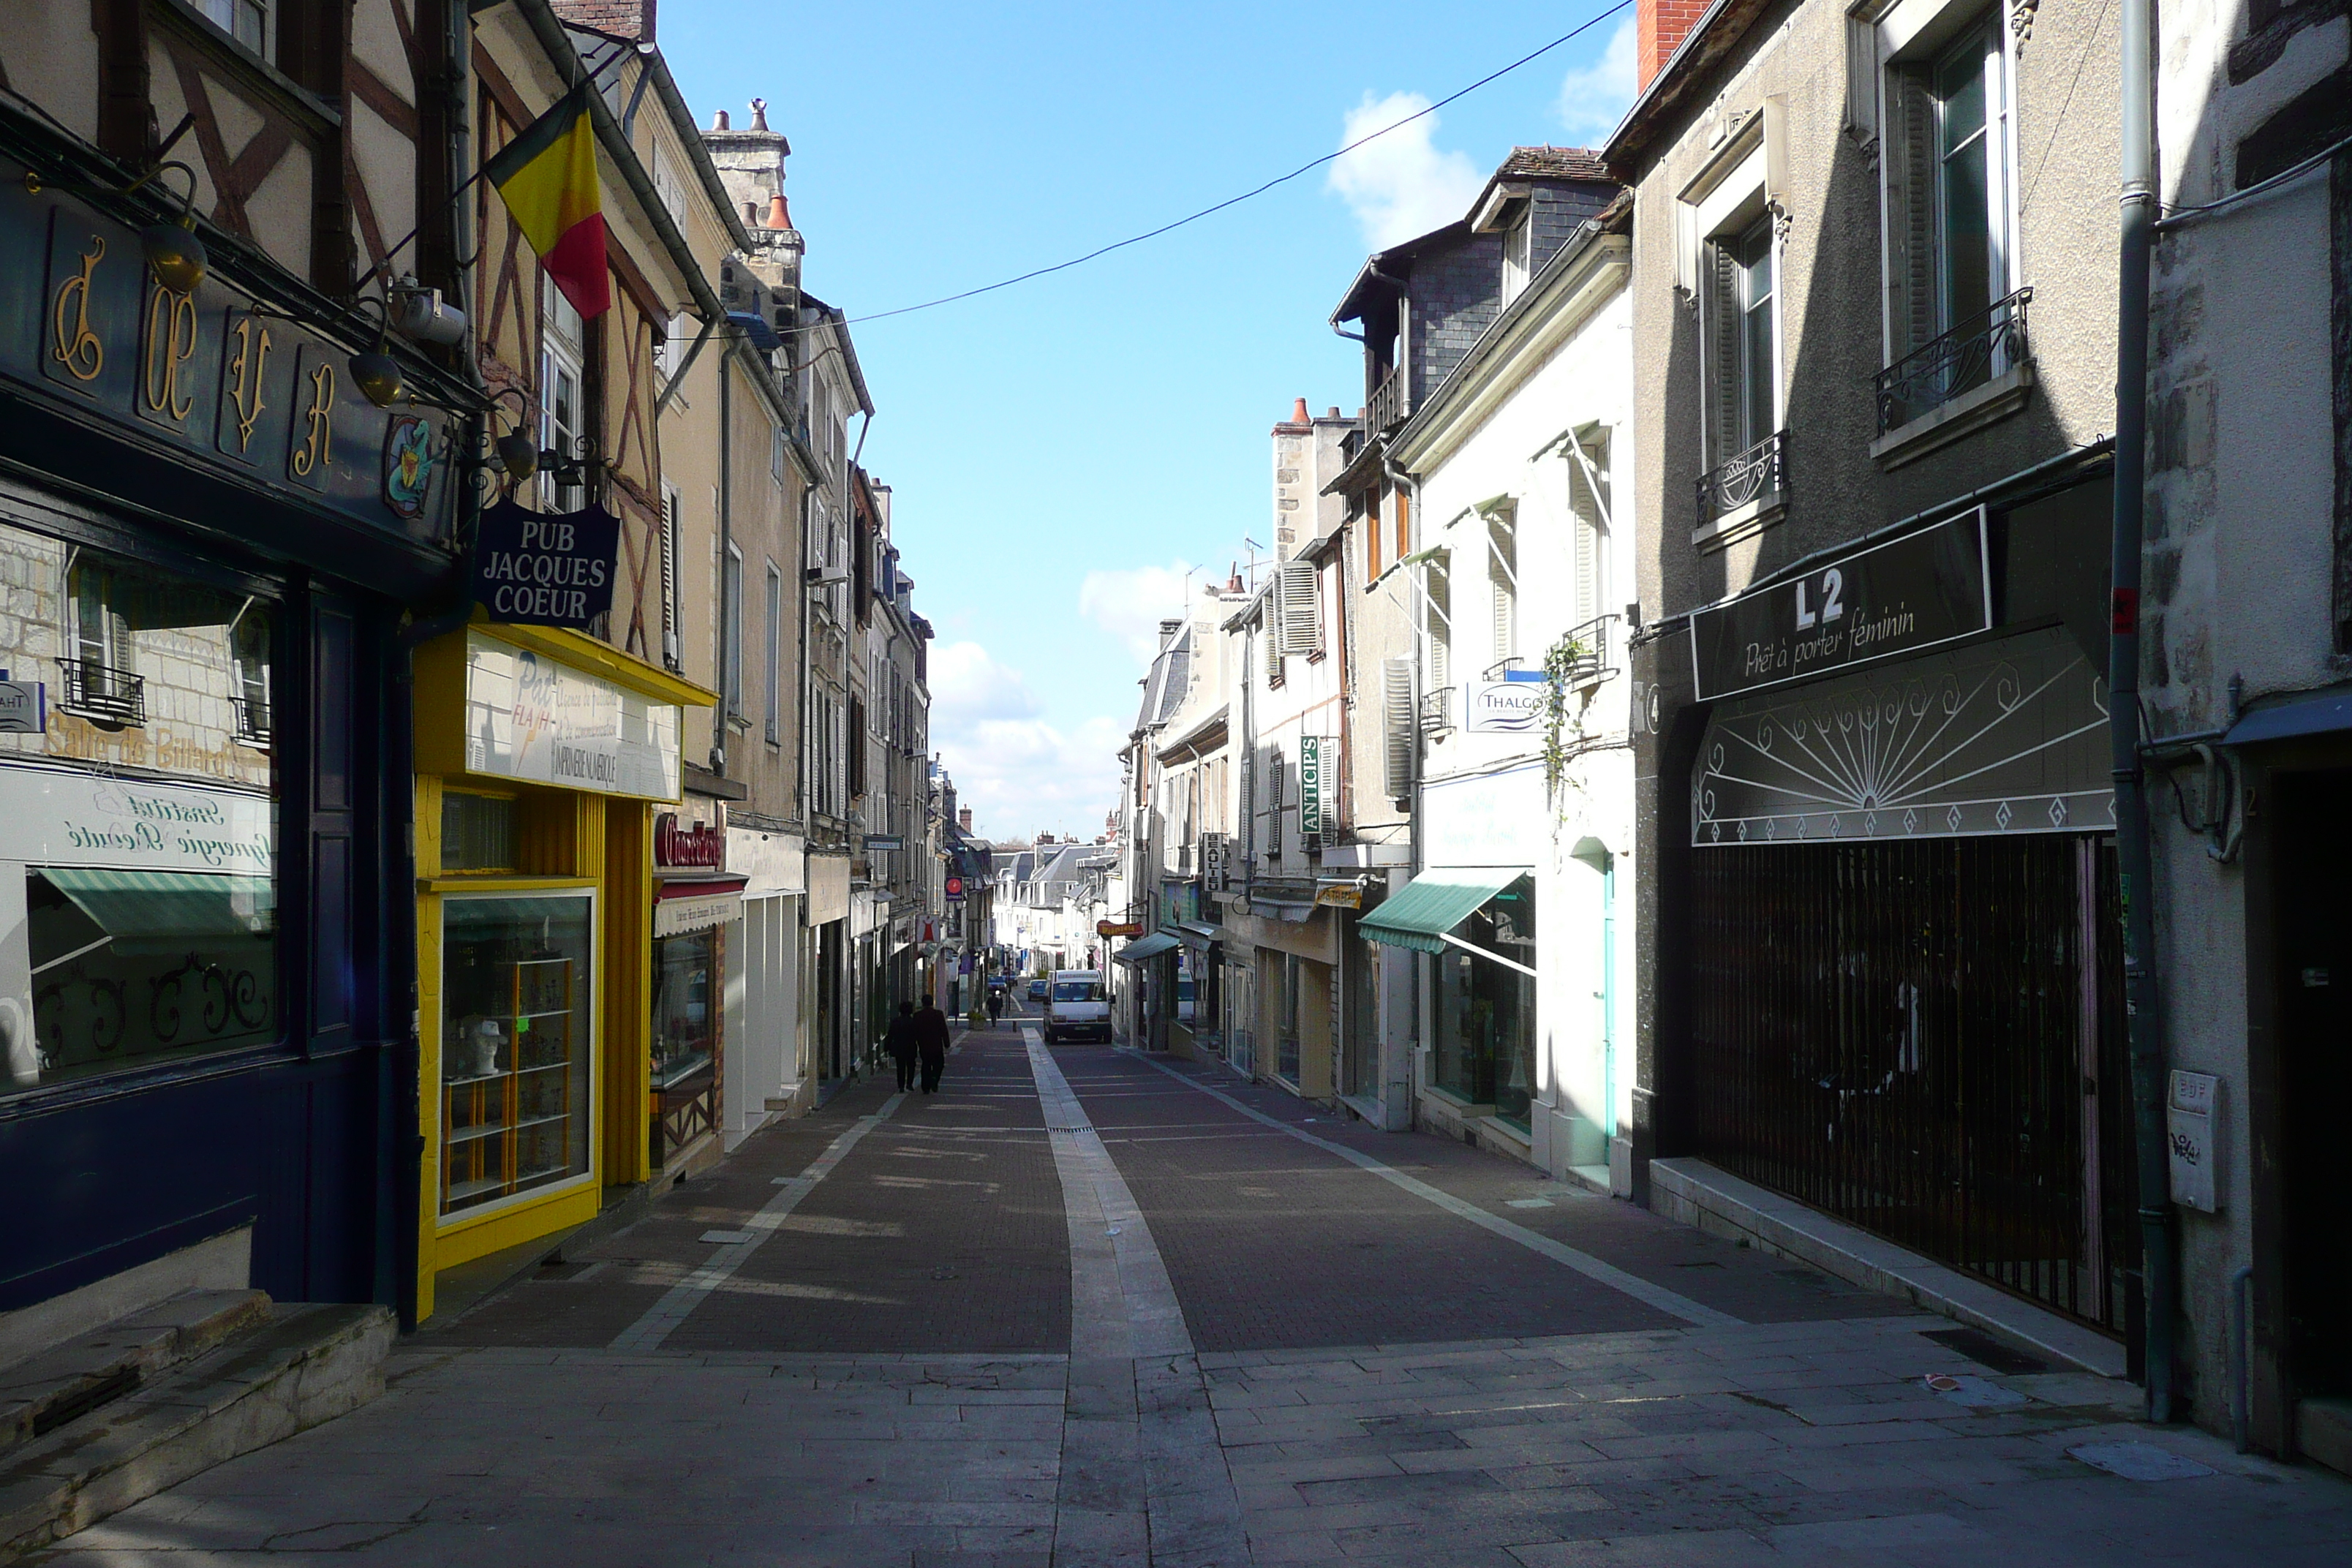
{"x":2322,"y":715}
{"x":168,"y":903}
{"x":1430,"y":907}
{"x":1198,"y":933}
{"x":681,"y":906}
{"x":1150,"y":947}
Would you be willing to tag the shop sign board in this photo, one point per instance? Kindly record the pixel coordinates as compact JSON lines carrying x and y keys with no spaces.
{"x":1215,"y":861}
{"x":239,"y":388}
{"x":1916,"y":591}
{"x":23,"y":707}
{"x":1495,"y":819}
{"x":1118,"y":927}
{"x":885,"y":841}
{"x":533,"y":721}
{"x":771,"y":862}
{"x":1346,"y":896}
{"x":1503,"y":706}
{"x":954,"y":888}
{"x":1310,"y":785}
{"x":545,"y":569}
{"x":695,"y":845}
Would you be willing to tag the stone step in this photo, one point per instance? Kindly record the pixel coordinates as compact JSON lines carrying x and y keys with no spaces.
{"x":298,"y":1365}
{"x":80,"y":1375}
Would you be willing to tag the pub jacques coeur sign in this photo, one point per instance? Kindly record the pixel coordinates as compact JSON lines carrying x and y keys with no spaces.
{"x":545,"y":569}
{"x":1899,"y":597}
{"x":238,"y":386}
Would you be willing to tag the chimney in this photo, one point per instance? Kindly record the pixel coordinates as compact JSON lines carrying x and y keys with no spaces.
{"x":963,"y":819}
{"x":759,"y":114}
{"x":1298,"y":414}
{"x":1234,"y":579}
{"x":718,"y":119}
{"x":779,"y":214}
{"x":1659,"y":26}
{"x":1168,"y":630}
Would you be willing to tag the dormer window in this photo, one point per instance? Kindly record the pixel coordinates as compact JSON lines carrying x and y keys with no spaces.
{"x":1517,"y":248}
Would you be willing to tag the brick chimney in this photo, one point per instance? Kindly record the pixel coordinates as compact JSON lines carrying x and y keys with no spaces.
{"x":623,"y":18}
{"x":963,"y":819}
{"x":1659,"y":26}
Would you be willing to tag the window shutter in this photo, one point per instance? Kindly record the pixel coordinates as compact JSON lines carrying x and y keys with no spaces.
{"x":671,"y":640}
{"x":1397,"y":729}
{"x":1723,"y":346}
{"x":1503,"y":578}
{"x":856,"y":746}
{"x":1439,"y":622}
{"x":1300,"y":614}
{"x":1910,"y":161}
{"x":1277,"y":792}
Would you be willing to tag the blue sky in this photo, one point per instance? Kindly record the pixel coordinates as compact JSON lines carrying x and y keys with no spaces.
{"x":1060,"y":452}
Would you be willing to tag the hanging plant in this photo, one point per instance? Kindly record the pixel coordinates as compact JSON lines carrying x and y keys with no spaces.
{"x":1561,"y":662}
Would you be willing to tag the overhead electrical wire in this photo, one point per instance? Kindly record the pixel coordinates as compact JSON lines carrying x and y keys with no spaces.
{"x":1308,"y":167}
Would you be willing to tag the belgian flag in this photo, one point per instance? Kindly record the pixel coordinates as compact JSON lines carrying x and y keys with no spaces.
{"x":547,"y":177}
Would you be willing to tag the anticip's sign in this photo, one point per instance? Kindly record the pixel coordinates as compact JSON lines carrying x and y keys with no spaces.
{"x":1898,"y":597}
{"x":1310,"y":785}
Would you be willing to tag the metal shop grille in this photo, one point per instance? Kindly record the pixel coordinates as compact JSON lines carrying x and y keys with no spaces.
{"x":1925,"y":1038}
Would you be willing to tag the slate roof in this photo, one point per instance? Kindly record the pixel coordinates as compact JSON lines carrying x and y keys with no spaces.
{"x":1552,"y":163}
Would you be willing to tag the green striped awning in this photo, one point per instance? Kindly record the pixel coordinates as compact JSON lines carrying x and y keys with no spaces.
{"x":1429,"y":906}
{"x":168,"y":903}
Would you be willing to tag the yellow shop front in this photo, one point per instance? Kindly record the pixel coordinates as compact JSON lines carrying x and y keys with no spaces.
{"x":541,"y":759}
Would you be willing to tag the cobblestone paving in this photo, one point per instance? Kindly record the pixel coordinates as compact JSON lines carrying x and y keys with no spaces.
{"x":887,"y":1380}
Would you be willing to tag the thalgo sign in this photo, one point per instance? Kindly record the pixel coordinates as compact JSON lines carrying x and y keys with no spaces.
{"x":691,"y":846}
{"x":543,"y":569}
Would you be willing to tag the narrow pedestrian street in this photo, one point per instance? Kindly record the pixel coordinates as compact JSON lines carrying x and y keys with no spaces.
{"x":1083,"y":1307}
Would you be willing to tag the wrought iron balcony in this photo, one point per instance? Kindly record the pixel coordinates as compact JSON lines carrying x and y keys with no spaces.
{"x":1388,"y":406}
{"x":1759,"y":473}
{"x":109,"y":698}
{"x":1436,"y":710}
{"x":1970,"y":355}
{"x":1595,"y":641}
{"x":252,"y":720}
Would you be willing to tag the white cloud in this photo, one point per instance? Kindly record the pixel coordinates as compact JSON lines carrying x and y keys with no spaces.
{"x":1401,"y":186}
{"x":1593,"y":98}
{"x":1016,"y":769}
{"x":1132,"y":605}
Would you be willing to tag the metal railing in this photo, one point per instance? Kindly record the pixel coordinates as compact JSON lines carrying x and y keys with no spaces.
{"x":252,"y":719}
{"x":1594,"y":645}
{"x":1436,"y":710}
{"x":1968,"y":356}
{"x":103,"y":694}
{"x":1388,"y":405}
{"x":1756,"y":474}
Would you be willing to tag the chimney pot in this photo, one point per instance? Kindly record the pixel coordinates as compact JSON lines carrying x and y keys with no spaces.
{"x":759,"y":114}
{"x":779,"y":214}
{"x":1298,"y":411}
{"x":719,"y":121}
{"x":1334,"y":413}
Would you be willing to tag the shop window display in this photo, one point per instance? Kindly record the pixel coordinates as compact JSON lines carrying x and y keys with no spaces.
{"x":138,"y":823}
{"x":1486,"y":1011}
{"x":515,"y":1045}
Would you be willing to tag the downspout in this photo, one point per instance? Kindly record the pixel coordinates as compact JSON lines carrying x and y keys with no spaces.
{"x":2158,"y":1263}
{"x":725,"y":666}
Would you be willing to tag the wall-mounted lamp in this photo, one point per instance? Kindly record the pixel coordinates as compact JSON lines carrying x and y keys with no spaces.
{"x":376,"y":372}
{"x":173,"y":252}
{"x":516,"y":452}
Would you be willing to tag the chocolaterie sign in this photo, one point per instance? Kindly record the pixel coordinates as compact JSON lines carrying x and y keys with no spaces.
{"x":231,"y":382}
{"x":1908,"y":594}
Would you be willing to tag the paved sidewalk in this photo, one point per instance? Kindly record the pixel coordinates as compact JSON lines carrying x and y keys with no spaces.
{"x":1073,"y":1310}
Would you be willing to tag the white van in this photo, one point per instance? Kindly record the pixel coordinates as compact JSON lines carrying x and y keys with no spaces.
{"x":1076,"y":1005}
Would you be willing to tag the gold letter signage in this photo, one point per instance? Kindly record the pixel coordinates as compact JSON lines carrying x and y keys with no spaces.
{"x":243,"y":404}
{"x":75,"y":345}
{"x":314,"y":426}
{"x":171,"y":344}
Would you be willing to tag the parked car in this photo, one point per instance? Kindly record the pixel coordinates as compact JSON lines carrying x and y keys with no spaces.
{"x":1076,"y":1006}
{"x":1037,"y":989}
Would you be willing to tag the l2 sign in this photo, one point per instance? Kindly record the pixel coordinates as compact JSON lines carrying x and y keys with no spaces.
{"x":545,"y":569}
{"x":1908,"y":594}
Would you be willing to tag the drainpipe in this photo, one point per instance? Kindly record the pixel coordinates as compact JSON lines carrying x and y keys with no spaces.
{"x":2157,"y":1261}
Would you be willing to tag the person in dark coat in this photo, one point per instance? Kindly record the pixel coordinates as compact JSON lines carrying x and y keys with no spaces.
{"x":931,"y":1039}
{"x":904,"y":1044}
{"x":995,"y":1004}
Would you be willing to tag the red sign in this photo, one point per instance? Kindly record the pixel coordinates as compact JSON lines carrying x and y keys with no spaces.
{"x":701,"y":847}
{"x":955,"y":886}
{"x":1113,"y":928}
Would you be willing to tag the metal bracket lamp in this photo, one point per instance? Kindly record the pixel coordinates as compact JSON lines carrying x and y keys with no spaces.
{"x":171,"y":250}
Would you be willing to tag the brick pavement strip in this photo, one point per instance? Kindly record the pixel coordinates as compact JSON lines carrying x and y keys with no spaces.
{"x":770,"y":1431}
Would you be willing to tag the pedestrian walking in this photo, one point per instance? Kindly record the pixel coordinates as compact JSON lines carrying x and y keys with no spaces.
{"x":931,"y":1039}
{"x":904,"y":1042}
{"x":995,"y":1007}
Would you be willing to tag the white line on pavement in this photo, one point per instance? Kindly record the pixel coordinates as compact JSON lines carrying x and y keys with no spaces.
{"x":681,"y":1299}
{"x":1584,"y":1263}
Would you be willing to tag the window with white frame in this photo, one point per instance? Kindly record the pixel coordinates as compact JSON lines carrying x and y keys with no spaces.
{"x":1739,"y":305}
{"x":1519,"y":245}
{"x":774,"y":660}
{"x":1951,"y":287}
{"x":562,"y":392}
{"x":1588,"y":514}
{"x":246,"y":21}
{"x":731,"y":630}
